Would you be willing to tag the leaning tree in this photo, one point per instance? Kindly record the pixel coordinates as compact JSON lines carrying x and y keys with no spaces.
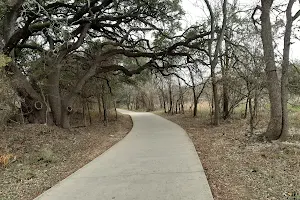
{"x":48,"y":32}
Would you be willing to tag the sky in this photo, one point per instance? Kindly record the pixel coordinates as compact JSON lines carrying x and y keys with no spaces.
{"x":196,"y":11}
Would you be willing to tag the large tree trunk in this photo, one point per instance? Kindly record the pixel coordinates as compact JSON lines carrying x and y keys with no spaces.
{"x":33,"y":105}
{"x":275,"y":124}
{"x":66,"y":103}
{"x":65,"y":116}
{"x":54,"y":94}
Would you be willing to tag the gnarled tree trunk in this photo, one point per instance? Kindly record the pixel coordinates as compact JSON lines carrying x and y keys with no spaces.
{"x":33,"y":105}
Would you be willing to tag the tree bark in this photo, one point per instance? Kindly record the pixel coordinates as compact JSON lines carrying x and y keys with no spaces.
{"x":216,"y":99}
{"x":163,"y":97}
{"x":195,"y":100}
{"x":275,"y":124}
{"x":181,"y":99}
{"x":195,"y":110}
{"x":251,"y":116}
{"x":89,"y":112}
{"x":83,"y":112}
{"x":165,"y":106}
{"x":19,"y":81}
{"x":170,"y":98}
{"x":104,"y":104}
{"x":99,"y":107}
{"x":65,"y":116}
{"x":246,"y":106}
{"x":115,"y":108}
{"x":225,"y":68}
{"x":285,"y":69}
{"x":54,"y":93}
{"x":214,"y":57}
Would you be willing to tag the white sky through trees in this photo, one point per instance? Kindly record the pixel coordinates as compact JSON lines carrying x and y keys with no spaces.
{"x":196,"y":11}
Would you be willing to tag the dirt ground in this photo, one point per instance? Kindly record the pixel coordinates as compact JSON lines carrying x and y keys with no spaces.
{"x":40,"y":156}
{"x":239,"y":167}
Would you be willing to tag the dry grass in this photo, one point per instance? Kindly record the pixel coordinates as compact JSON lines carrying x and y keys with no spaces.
{"x":46,"y":155}
{"x":239,"y":167}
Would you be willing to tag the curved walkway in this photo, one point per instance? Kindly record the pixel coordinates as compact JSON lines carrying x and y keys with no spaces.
{"x":155,"y":161}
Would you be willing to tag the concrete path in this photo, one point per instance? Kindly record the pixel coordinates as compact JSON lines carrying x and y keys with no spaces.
{"x":155,"y":161}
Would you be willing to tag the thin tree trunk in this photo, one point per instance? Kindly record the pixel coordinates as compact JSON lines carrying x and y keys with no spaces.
{"x":165,"y":106}
{"x":225,"y":101}
{"x":251,"y":116}
{"x":170,"y":98}
{"x":225,"y":71}
{"x":212,"y":109}
{"x":285,"y":70}
{"x":255,"y":109}
{"x":195,"y":100}
{"x":180,"y":102}
{"x":83,"y":112}
{"x":99,"y":107}
{"x":128,"y":101}
{"x":216,"y":100}
{"x":214,"y":57}
{"x":89,"y":112}
{"x":105,"y":118}
{"x":246,"y":107}
{"x":195,"y":108}
{"x":115,"y":107}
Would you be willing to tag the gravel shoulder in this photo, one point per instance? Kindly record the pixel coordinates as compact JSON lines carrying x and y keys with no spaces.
{"x":41,"y":156}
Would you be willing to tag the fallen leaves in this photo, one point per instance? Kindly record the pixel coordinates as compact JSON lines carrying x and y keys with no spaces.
{"x":46,"y":155}
{"x":242,"y":167}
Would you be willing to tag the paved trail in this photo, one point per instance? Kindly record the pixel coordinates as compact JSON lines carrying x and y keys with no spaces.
{"x":155,"y":161}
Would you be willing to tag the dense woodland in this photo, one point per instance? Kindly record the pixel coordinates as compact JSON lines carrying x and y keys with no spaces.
{"x":65,"y":57}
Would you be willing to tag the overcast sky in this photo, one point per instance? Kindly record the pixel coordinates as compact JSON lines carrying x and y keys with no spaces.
{"x":196,"y":11}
